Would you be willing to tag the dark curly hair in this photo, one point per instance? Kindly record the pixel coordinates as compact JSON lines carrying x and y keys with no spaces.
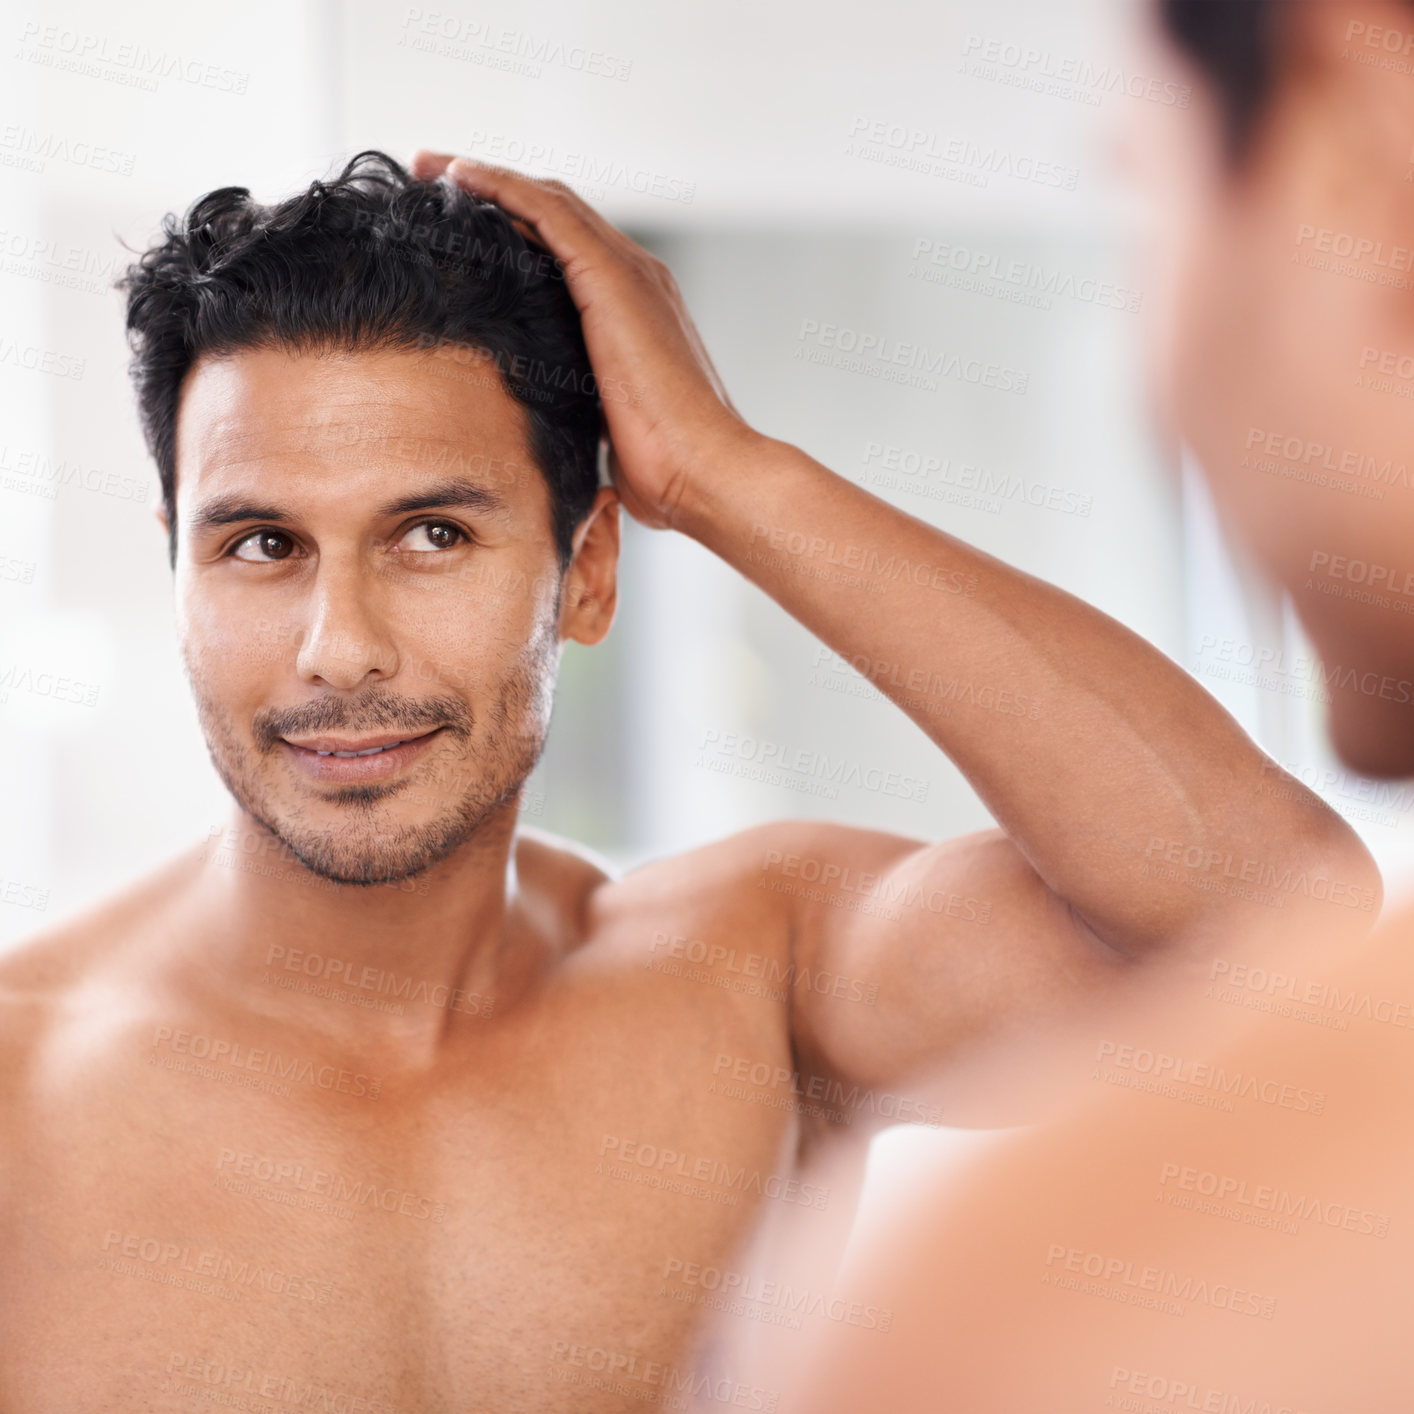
{"x":373,"y":259}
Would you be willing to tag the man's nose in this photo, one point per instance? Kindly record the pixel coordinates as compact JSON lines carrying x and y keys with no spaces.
{"x":347,"y":639}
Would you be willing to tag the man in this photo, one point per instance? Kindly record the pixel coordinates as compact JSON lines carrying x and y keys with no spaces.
{"x":1151,"y":1251}
{"x":384,"y":1100}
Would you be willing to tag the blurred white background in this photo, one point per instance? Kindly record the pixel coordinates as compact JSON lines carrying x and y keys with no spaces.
{"x":733,"y":138}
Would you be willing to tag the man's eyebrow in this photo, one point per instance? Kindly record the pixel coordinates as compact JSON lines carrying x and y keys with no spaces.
{"x":456,"y":492}
{"x":227,"y":510}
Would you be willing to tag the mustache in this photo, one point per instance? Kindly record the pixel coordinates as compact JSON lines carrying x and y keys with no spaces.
{"x":381,"y":711}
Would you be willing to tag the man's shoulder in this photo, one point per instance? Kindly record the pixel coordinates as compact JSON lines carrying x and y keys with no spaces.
{"x":750,"y":871}
{"x":593,"y":895}
{"x":788,"y":844}
{"x":538,"y":849}
{"x":45,"y":966}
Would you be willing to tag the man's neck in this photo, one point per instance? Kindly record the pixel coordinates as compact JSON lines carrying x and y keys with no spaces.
{"x":394,"y":967}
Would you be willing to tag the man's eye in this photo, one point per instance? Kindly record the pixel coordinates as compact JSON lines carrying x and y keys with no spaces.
{"x":263,"y":546}
{"x":432,"y":535}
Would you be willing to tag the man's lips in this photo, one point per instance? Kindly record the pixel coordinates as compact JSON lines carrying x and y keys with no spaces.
{"x":355,"y":746}
{"x":341,"y":759}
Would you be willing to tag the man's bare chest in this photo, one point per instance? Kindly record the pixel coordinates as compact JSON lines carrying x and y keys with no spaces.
{"x":184,"y":1214}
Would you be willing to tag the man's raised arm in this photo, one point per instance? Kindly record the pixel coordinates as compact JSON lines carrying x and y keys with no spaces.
{"x":1137,"y":815}
{"x":1121,"y":781}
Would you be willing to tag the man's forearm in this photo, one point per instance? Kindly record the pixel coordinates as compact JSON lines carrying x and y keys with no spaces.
{"x":1130,"y":790}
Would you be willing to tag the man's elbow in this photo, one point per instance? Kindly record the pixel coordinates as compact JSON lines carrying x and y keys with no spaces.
{"x":1316,"y":886}
{"x":1340,"y":885}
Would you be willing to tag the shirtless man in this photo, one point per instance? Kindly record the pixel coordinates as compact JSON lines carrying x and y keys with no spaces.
{"x":382,"y":1101}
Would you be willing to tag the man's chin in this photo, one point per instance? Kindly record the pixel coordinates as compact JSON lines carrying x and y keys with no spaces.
{"x":378,"y":847}
{"x":372,"y":864}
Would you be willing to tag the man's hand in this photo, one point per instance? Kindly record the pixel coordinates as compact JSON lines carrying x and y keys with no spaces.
{"x":668,"y":415}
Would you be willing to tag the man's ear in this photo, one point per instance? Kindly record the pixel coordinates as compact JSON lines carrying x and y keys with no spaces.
{"x":592,"y":579}
{"x":161,"y":514}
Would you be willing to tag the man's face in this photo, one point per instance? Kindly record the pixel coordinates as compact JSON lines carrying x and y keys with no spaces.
{"x":1283,"y":289}
{"x":365,"y":558}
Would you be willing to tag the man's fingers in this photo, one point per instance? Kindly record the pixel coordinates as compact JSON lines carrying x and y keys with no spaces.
{"x":426,"y":165}
{"x":562,"y":220}
{"x":527,"y":198}
{"x":547,"y":213}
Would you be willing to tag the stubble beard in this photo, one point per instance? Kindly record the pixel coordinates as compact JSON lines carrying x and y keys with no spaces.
{"x":497,"y":756}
